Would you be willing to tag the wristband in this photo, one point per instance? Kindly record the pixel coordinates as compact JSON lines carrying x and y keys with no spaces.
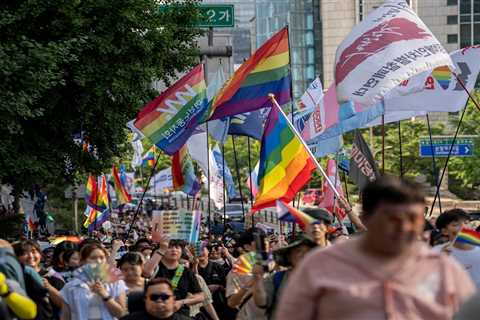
{"x":159,"y":253}
{"x":107,"y":298}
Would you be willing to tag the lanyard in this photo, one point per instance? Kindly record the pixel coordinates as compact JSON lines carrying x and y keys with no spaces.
{"x":177,"y":276}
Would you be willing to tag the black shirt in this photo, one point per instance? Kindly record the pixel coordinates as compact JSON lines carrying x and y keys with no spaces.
{"x":143,"y":315}
{"x":213,"y":273}
{"x":187,"y":284}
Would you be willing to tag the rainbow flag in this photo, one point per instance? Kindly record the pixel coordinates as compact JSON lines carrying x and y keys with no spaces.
{"x":94,"y":211}
{"x":122,"y":195}
{"x":91,"y":191}
{"x":183,"y":174}
{"x":468,"y":236}
{"x":267,"y":71}
{"x":95,"y":218}
{"x":150,"y":156}
{"x":171,"y":118}
{"x":286,"y":212}
{"x":285,"y":164}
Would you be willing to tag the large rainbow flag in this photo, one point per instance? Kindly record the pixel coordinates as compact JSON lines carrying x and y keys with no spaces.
{"x":285,"y":165}
{"x":183,"y":174}
{"x":170,"y":119}
{"x":122,"y":195}
{"x":267,"y":71}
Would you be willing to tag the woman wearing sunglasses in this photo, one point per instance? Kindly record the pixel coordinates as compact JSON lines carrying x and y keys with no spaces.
{"x":159,"y":302}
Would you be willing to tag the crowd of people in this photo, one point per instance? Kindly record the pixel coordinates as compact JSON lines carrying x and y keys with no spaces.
{"x":394,"y":265}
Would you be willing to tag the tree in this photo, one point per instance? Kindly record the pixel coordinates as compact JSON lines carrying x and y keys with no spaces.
{"x":81,"y":67}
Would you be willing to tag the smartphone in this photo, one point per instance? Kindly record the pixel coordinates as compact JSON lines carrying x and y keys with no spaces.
{"x":156,"y":226}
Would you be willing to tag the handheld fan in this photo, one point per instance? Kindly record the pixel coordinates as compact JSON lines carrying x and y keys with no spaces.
{"x":245,"y":263}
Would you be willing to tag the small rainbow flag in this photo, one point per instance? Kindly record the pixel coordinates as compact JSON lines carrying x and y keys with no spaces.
{"x":468,"y":236}
{"x":267,"y":71}
{"x":442,"y":75}
{"x":91,"y":191}
{"x":285,"y":212}
{"x":285,"y":164}
{"x":95,"y":218}
{"x":122,"y":195}
{"x":149,"y":158}
{"x":171,"y":118}
{"x":244,"y":264}
{"x":183,"y":173}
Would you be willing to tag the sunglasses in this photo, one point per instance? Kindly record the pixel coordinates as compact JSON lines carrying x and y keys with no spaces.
{"x":159,"y":296}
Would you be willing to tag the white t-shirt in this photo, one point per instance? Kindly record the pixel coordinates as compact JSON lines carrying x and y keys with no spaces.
{"x":470,"y":259}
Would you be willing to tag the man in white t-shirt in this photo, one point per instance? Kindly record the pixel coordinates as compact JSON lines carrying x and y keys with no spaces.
{"x":450,"y":223}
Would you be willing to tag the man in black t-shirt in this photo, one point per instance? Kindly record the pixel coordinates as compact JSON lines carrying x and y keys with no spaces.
{"x":183,"y":280}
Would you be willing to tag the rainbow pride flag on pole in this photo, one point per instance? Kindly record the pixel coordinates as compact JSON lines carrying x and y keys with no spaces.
{"x":150,"y":156}
{"x":267,"y":71}
{"x":122,"y":195}
{"x":285,"y":164}
{"x":91,"y":191}
{"x":468,"y":236}
{"x":98,"y":212}
{"x":183,"y":174}
{"x":286,"y":212}
{"x":170,"y":119}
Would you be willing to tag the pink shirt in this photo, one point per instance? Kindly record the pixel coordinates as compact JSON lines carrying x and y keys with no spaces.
{"x":341,"y":282}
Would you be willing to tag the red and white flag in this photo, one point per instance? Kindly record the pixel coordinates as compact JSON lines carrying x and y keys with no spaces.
{"x":390,"y":46}
{"x":328,"y":196}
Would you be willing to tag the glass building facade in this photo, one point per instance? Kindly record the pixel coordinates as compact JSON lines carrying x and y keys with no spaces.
{"x":469,"y":17}
{"x":273,"y":15}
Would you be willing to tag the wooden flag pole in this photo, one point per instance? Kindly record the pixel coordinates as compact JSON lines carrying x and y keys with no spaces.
{"x":319,"y":167}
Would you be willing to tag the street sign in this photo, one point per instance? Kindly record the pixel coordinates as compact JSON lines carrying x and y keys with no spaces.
{"x":463,"y":146}
{"x":217,"y":16}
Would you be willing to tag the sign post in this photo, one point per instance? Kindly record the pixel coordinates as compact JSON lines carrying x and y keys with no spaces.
{"x":463,"y":146}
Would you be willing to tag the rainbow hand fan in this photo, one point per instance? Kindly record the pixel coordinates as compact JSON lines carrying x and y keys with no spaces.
{"x":99,"y":272}
{"x":245,"y":263}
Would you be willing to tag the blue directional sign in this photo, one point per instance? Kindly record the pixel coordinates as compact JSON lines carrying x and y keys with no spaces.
{"x":463,"y":146}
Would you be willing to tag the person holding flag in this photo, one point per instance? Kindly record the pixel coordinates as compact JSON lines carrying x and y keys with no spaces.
{"x":461,"y":245}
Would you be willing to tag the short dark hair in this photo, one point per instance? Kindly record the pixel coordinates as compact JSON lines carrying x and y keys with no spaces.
{"x":133,"y":258}
{"x":68,"y":254}
{"x":87,"y":250}
{"x":248,"y":236}
{"x":389,"y":189}
{"x":21,"y":247}
{"x":140,"y":241}
{"x":450,"y":216}
{"x":158,"y":281}
{"x":176,"y":243}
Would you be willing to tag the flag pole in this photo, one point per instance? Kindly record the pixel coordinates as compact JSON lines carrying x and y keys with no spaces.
{"x":208,"y":183}
{"x":143,"y":196}
{"x":250,"y":172}
{"x":319,"y":167}
{"x":434,"y":162}
{"x":346,"y":186}
{"x":400,"y":146}
{"x":224,"y":190}
{"x":238,"y":176}
{"x":383,"y":143}
{"x":448,"y":158}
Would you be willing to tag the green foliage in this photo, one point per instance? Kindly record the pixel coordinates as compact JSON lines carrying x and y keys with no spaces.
{"x":81,"y":66}
{"x":466,"y":171}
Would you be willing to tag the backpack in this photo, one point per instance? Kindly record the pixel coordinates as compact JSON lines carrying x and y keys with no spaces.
{"x":277,"y":282}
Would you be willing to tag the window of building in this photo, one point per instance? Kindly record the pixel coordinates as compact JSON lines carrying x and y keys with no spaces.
{"x":476,"y":34}
{"x":476,"y":6}
{"x":465,"y":6}
{"x":453,"y":19}
{"x":452,"y":38}
{"x":452,"y":2}
{"x":465,"y":35}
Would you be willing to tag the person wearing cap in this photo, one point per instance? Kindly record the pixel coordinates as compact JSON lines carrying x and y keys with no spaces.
{"x":318,"y":230}
{"x":384,"y":273}
{"x":267,"y":290}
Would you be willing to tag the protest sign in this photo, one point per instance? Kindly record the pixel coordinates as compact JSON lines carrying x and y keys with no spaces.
{"x":175,"y":224}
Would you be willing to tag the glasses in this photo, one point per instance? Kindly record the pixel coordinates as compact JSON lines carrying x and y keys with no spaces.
{"x":159,"y":296}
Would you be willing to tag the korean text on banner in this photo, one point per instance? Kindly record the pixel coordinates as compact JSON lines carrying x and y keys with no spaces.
{"x":389,"y":46}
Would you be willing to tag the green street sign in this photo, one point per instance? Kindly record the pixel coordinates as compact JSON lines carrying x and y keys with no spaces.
{"x":216,"y":16}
